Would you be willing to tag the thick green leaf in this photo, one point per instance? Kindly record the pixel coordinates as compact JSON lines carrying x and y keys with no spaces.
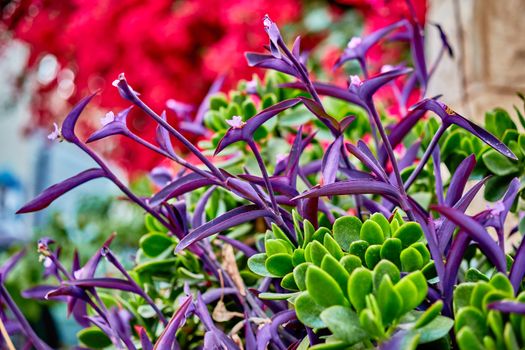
{"x":350,"y":262}
{"x":344,"y":324}
{"x":385,"y":268}
{"x":317,"y":252}
{"x":93,"y":338}
{"x":389,"y":301}
{"x":499,"y":164}
{"x":155,"y":243}
{"x":411,"y":260}
{"x":423,"y":250}
{"x":472,"y":318}
{"x":299,"y":274}
{"x":409,"y":233}
{"x":373,"y":255}
{"x":500,"y":282}
{"x":279,"y":264}
{"x":421,"y":285}
{"x":391,"y":250}
{"x":277,"y":296}
{"x":257,"y":264}
{"x":382,"y":222}
{"x":333,"y":248}
{"x":323,"y":288}
{"x":298,"y":257}
{"x":358,"y":248}
{"x":438,"y":328}
{"x":370,"y":323}
{"x":408,"y":291}
{"x":509,"y":337}
{"x":346,"y":230}
{"x":432,"y":312}
{"x":468,"y":340}
{"x":277,"y":246}
{"x":288,"y":282}
{"x":336,"y":270}
{"x":478,"y":293}
{"x":308,"y":311}
{"x":371,"y":232}
{"x":474,"y":275}
{"x":360,"y":285}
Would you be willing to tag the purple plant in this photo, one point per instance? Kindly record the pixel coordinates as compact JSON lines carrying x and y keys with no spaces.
{"x":375,"y":183}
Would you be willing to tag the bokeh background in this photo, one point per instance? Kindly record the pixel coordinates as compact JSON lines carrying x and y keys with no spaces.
{"x":52,"y":53}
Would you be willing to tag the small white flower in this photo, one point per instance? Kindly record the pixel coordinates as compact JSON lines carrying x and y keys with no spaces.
{"x":267,"y":22}
{"x":48,"y":262}
{"x":110,"y":117}
{"x":236,"y":122}
{"x":355,"y":80}
{"x":386,"y":68}
{"x":55,"y":134}
{"x":354,"y":42}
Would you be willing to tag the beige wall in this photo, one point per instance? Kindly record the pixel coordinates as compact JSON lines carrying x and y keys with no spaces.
{"x":489,"y":41}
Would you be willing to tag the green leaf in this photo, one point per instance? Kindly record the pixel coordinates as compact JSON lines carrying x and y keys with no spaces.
{"x":370,"y":323}
{"x":153,"y":244}
{"x":388,"y":300}
{"x":279,"y":264}
{"x":409,"y":233}
{"x":501,"y":283}
{"x":339,"y":345}
{"x":499,"y":164}
{"x":309,"y":231}
{"x":423,"y":250}
{"x":420,"y":282}
{"x":358,"y":248}
{"x":277,"y":296}
{"x":510,"y":338}
{"x":360,"y":284}
{"x":93,"y":338}
{"x":298,"y":257}
{"x":472,"y":318}
{"x":391,"y":250}
{"x":218,"y":100}
{"x":317,"y":252}
{"x":462,"y":295}
{"x":277,"y":246}
{"x":332,"y":246}
{"x":407,"y":290}
{"x":288,"y":282}
{"x":257,"y":264}
{"x":468,"y":340}
{"x":496,"y":187}
{"x":156,"y":267}
{"x":297,"y":228}
{"x":320,"y":234}
{"x":373,"y":255}
{"x":371,"y":232}
{"x":344,"y":324}
{"x":432,"y":312}
{"x":474,"y":275}
{"x":521,"y":143}
{"x":480,"y":290}
{"x":346,"y":230}
{"x":350,"y":262}
{"x":385,"y":268}
{"x":323,"y":288}
{"x":411,"y":260}
{"x":336,"y":270}
{"x":436,"y":329}
{"x":299,"y":274}
{"x":382,"y":222}
{"x":308,"y":311}
{"x":278,"y":233}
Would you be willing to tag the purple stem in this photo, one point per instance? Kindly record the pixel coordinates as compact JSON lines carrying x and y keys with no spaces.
{"x":426,"y":155}
{"x":33,"y":337}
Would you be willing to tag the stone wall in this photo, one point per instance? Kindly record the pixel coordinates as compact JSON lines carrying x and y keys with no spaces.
{"x":489,"y":64}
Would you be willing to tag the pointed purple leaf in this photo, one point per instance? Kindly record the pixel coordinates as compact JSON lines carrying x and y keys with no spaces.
{"x":508,"y":307}
{"x":459,"y":180}
{"x":227,"y":220}
{"x":45,"y":198}
{"x":371,"y":163}
{"x":183,"y":184}
{"x":478,"y":234}
{"x":116,"y":126}
{"x":270,"y":62}
{"x":68,"y":126}
{"x":167,"y":337}
{"x":331,"y":159}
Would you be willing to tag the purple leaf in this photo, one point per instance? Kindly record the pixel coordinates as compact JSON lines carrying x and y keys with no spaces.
{"x":112,"y":125}
{"x":104,"y":282}
{"x":331,"y":161}
{"x":167,"y":337}
{"x":508,"y":307}
{"x":163,"y":138}
{"x":227,"y":220}
{"x":246,"y":249}
{"x":215,"y":335}
{"x":9,"y":264}
{"x":436,"y":159}
{"x":318,"y":110}
{"x":399,"y":131}
{"x":447,"y":227}
{"x":40,"y":293}
{"x":362,"y":153}
{"x":329,"y":90}
{"x":45,"y":198}
{"x":448,"y":117}
{"x":477,"y":233}
{"x":68,"y":126}
{"x":454,"y":259}
{"x":270,"y":62}
{"x":357,"y":47}
{"x":459,"y":180}
{"x":245,"y":131}
{"x":180,"y":186}
{"x":517,"y":270}
{"x":199,"y":212}
{"x":367,"y":88}
{"x":144,"y":340}
{"x":353,"y":187}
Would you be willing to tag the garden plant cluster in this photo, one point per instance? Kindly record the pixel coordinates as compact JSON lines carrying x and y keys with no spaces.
{"x":313,"y":219}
